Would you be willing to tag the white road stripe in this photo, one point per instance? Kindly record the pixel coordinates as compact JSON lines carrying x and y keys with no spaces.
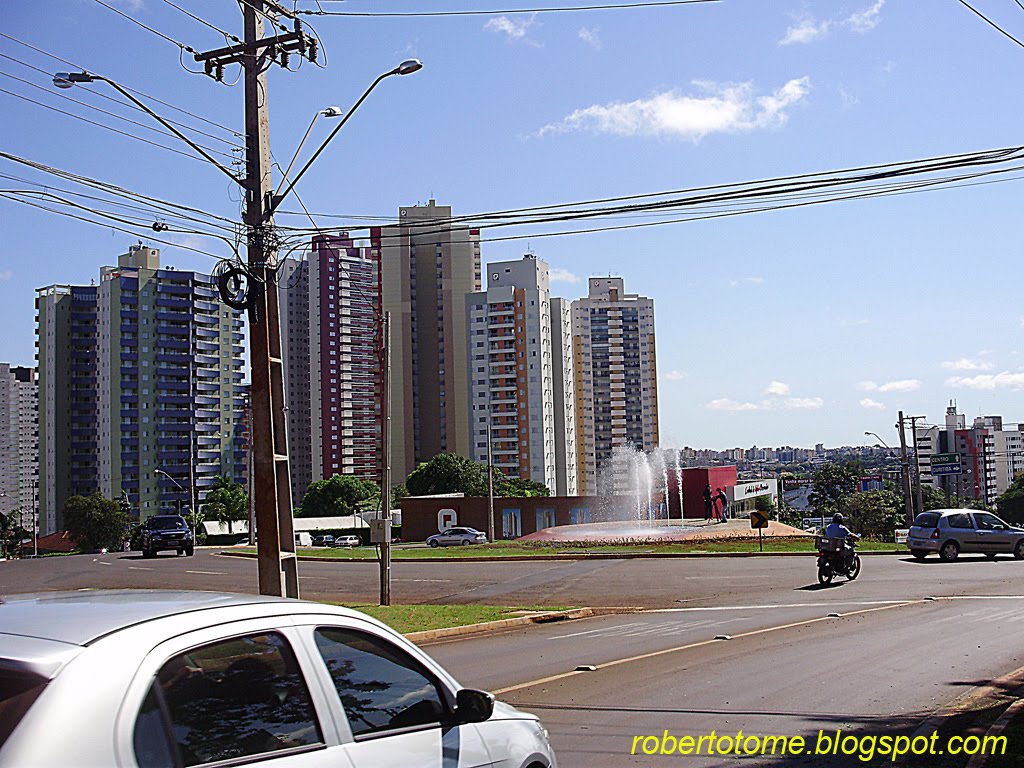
{"x":208,"y":573}
{"x":138,"y":568}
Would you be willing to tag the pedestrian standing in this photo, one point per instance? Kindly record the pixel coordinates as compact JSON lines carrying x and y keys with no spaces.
{"x":708,"y":503}
{"x":723,"y":501}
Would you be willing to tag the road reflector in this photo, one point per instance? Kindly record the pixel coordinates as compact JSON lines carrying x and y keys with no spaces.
{"x":723,"y":637}
{"x":835,"y":615}
{"x":586,"y":668}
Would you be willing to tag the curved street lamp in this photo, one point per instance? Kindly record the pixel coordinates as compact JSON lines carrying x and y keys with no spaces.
{"x":326,"y":112}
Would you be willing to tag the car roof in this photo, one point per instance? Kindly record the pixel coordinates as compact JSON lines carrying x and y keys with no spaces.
{"x":82,"y":617}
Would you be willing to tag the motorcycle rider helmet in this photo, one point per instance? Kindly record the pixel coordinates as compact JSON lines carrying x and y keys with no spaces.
{"x":837,"y":517}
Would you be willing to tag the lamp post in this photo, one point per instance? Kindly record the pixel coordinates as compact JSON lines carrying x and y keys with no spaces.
{"x":180,"y":488}
{"x":326,"y":112}
{"x":904,"y":470}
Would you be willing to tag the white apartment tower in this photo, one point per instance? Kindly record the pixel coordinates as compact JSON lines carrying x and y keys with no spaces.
{"x":517,"y":357}
{"x":615,"y":377}
{"x":19,"y":441}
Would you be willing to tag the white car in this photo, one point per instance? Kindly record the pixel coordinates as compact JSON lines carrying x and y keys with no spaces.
{"x":140,"y":678}
{"x":458,"y":536}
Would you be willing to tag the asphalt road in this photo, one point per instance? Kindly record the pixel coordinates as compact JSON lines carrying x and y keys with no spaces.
{"x":872,"y":657}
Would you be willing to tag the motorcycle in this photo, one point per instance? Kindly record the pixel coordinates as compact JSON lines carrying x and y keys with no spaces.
{"x":832,"y":558}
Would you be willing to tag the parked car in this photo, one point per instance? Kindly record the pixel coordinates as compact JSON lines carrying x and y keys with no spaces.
{"x":161,"y":532}
{"x":952,"y":531}
{"x":347,"y":541}
{"x":154,"y":678}
{"x":326,"y":540}
{"x":457,"y":536}
{"x":303,"y":539}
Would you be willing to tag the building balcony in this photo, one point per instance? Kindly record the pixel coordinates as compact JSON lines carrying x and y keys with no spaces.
{"x":207,"y":333}
{"x":129,"y":314}
{"x":173,"y":289}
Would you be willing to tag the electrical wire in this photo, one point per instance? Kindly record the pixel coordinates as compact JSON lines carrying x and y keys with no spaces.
{"x":506,"y":12}
{"x":50,"y":92}
{"x":181,"y":46}
{"x":992,"y":23}
{"x":227,"y":35}
{"x":232,"y":131}
{"x":108,"y":127}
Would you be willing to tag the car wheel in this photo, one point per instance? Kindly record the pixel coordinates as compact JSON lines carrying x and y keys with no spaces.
{"x":181,"y":552}
{"x":146,"y":553}
{"x":1018,"y":551}
{"x":189,"y":551}
{"x":825,"y":575}
{"x":949,"y":551}
{"x":854,"y":571}
{"x":464,"y":542}
{"x":990,"y":555}
{"x":919,"y":554}
{"x":434,"y":544}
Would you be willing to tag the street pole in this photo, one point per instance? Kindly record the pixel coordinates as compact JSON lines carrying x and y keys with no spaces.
{"x":493,"y":534}
{"x":277,"y":565}
{"x":385,"y":485}
{"x":917,"y":462}
{"x":905,"y":462}
{"x":35,"y":519}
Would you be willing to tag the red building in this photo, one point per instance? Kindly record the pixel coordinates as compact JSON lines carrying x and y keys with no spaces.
{"x":695,"y":480}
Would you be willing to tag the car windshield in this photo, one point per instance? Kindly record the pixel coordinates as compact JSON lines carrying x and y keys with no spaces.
{"x":166,"y":523}
{"x":927,"y":520}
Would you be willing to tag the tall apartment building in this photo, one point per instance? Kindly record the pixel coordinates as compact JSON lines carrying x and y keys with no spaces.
{"x":615,"y":379}
{"x":139,"y":388}
{"x":515,"y":368}
{"x":428,"y":265}
{"x":330,"y":330}
{"x":19,"y":441}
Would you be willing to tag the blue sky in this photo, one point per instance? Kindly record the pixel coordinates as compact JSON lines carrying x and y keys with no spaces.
{"x":792,"y":327}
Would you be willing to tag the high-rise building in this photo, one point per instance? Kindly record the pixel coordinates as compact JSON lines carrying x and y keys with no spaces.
{"x":139,"y":388}
{"x":428,"y":265}
{"x":566,"y":471}
{"x":615,"y":379}
{"x":512,"y":359}
{"x":19,"y":441}
{"x":330,"y":330}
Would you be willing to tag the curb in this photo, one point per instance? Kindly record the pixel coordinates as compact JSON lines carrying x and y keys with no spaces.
{"x":490,"y":627}
{"x":574,"y":556}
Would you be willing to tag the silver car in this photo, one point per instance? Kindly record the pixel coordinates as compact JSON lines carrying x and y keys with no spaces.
{"x":952,"y":531}
{"x":457,"y":536}
{"x":137,"y":678}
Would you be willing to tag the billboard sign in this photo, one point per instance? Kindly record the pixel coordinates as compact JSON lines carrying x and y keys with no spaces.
{"x":946,"y":464}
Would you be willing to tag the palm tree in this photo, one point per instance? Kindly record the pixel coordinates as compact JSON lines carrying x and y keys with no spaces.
{"x":227,"y":502}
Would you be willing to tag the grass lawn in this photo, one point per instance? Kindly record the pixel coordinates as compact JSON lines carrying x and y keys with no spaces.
{"x":416,"y":618}
{"x":515,"y":549}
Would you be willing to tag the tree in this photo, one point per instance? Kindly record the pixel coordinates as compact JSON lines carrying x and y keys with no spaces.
{"x":1011,"y":503}
{"x":933,"y":497}
{"x":340,"y":495}
{"x":227,"y":502}
{"x":11,"y":533}
{"x":518,"y":487}
{"x":95,"y":522}
{"x":449,"y":473}
{"x":834,"y":484}
{"x":875,"y":514}
{"x":398,"y":493}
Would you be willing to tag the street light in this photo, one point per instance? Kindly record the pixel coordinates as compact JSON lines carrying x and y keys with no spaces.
{"x":405,"y":68}
{"x":326,"y":112}
{"x":69,"y":79}
{"x":182,"y":489}
{"x":879,"y":439}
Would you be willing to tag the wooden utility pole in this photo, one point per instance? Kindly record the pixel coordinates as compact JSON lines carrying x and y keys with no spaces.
{"x":272,"y":481}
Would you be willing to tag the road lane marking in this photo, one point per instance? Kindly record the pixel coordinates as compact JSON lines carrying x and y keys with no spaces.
{"x":138,"y":568}
{"x":700,"y":644}
{"x":101,"y":562}
{"x":781,"y":605}
{"x":208,"y":573}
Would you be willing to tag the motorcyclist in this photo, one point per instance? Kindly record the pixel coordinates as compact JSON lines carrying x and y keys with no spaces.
{"x":836,"y":530}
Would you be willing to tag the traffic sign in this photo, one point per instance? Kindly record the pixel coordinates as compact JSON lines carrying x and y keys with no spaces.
{"x":758,"y":519}
{"x":946,"y":464}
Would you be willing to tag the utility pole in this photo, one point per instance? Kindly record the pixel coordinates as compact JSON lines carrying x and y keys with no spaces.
{"x":277,"y":566}
{"x":385,"y":485}
{"x":917,"y":461}
{"x":490,"y":478}
{"x":905,"y":462}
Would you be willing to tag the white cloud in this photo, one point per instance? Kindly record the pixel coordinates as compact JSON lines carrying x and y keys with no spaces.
{"x":6,"y":275}
{"x":988,"y":381}
{"x":808,"y":29}
{"x":559,"y":275}
{"x":718,"y":108}
{"x":854,"y":323}
{"x":676,"y":376}
{"x":777,"y":388}
{"x":749,"y":280}
{"x":867,"y":402}
{"x":725,"y":404}
{"x":902,"y":385}
{"x":803,"y":403}
{"x":513,"y":29}
{"x":590,"y":36}
{"x":866,"y":20}
{"x":965,"y":364}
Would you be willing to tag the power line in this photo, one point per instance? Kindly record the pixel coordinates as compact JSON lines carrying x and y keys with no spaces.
{"x":181,"y":46}
{"x":507,"y":11}
{"x":50,"y":92}
{"x":107,"y":127}
{"x":992,"y":23}
{"x":227,"y":35}
{"x":133,"y":90}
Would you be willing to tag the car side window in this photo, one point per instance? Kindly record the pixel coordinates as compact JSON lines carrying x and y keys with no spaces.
{"x":227,"y":700}
{"x":381,"y":687}
{"x":960,"y":520}
{"x":988,"y":522}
